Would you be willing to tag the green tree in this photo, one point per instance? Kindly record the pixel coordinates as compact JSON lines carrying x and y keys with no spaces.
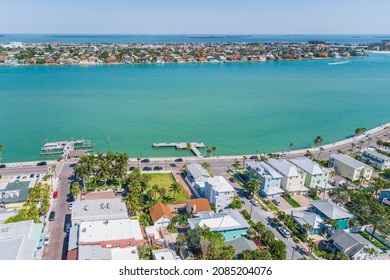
{"x":1,"y":149}
{"x":214,"y":149}
{"x":244,"y":158}
{"x":175,"y":188}
{"x":318,"y":140}
{"x":132,"y":201}
{"x":188,"y":148}
{"x":254,"y":185}
{"x":311,"y":244}
{"x":236,"y":165}
{"x":376,"y":221}
{"x":319,"y":154}
{"x":205,"y":165}
{"x":236,"y":203}
{"x":75,"y":189}
{"x":371,"y":252}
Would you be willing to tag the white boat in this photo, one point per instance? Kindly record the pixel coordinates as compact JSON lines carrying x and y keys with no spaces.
{"x":337,"y":63}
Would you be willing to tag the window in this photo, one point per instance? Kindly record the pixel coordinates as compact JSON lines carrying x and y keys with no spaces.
{"x":117,"y":245}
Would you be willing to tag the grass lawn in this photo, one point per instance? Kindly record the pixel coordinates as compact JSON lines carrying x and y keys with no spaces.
{"x":374,"y":241}
{"x":165,"y":180}
{"x":292,"y":202}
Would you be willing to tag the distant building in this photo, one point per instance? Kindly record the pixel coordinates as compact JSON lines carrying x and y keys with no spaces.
{"x":119,"y":233}
{"x":229,"y":222}
{"x":99,"y":209}
{"x":270,"y":186}
{"x":161,"y":215}
{"x":328,"y":209}
{"x":12,"y":192}
{"x":316,"y":176}
{"x":352,"y":244}
{"x":384,"y":196}
{"x":20,"y":241}
{"x":165,"y":255}
{"x":350,"y":168}
{"x":376,"y":160}
{"x":293,"y":177}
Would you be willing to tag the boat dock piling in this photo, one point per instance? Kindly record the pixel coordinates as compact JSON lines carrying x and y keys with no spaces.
{"x":182,"y":146}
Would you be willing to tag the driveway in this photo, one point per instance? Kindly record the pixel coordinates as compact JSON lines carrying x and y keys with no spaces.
{"x":284,"y":205}
{"x":302,"y":200}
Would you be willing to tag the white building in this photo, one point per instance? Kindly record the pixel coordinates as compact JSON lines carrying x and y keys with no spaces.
{"x":376,"y":160}
{"x":293,"y":177}
{"x":350,"y":168}
{"x":316,"y":176}
{"x":165,"y":255}
{"x":219,"y":192}
{"x":99,"y":209}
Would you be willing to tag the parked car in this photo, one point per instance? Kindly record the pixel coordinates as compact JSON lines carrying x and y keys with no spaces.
{"x":179,"y":160}
{"x":2,"y":165}
{"x":46,"y":240}
{"x":254,"y":157}
{"x":158,"y":168}
{"x":55,"y":194}
{"x":274,"y":201}
{"x":42,"y":163}
{"x":172,"y":165}
{"x":131,"y":168}
{"x":232,"y":180}
{"x":147,"y":168}
{"x":70,"y":205}
{"x":32,"y":175}
{"x":254,"y":202}
{"x":284,"y":231}
{"x":52,"y":216}
{"x":13,"y":165}
{"x":145,"y":160}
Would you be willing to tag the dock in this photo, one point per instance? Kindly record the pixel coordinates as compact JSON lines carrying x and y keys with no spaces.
{"x":182,"y":146}
{"x":64,"y":147}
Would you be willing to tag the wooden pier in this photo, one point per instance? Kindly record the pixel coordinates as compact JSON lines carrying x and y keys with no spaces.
{"x":64,"y":147}
{"x":182,"y":146}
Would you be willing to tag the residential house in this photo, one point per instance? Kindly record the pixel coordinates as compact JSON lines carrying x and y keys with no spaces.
{"x":375,"y":159}
{"x":165,"y":255}
{"x":270,"y":186}
{"x":328,"y":209}
{"x":15,"y":192}
{"x":308,"y":222}
{"x":218,"y":192}
{"x":193,"y":206}
{"x":293,"y":179}
{"x":229,"y":222}
{"x":196,"y":173}
{"x":352,"y":244}
{"x":384,"y":196}
{"x":241,"y":244}
{"x":350,"y":168}
{"x":99,"y":209}
{"x":21,"y":240}
{"x":161,"y":215}
{"x":316,"y":176}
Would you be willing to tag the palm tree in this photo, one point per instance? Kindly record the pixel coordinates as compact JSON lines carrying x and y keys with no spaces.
{"x":290,"y":147}
{"x":236,"y":164}
{"x":376,"y":221}
{"x":318,"y":140}
{"x":339,"y":194}
{"x":368,"y":141}
{"x":353,"y":145}
{"x":370,"y":251}
{"x":254,"y":185}
{"x":188,"y":148}
{"x":307,"y":228}
{"x":132,"y":202}
{"x":312,"y":244}
{"x":214,"y":148}
{"x":361,"y":144}
{"x":138,"y":160}
{"x":321,"y":150}
{"x":208,"y":152}
{"x":175,"y":188}
{"x":1,"y":149}
{"x":162,"y":192}
{"x":205,"y":165}
{"x":331,"y":223}
{"x":244,"y":158}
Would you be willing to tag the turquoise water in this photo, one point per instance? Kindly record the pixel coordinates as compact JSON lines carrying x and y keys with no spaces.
{"x":238,"y":107}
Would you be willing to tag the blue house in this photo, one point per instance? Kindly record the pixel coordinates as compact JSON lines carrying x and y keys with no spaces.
{"x":384,"y":197}
{"x":271,"y":180}
{"x":328,"y":209}
{"x":229,"y":222}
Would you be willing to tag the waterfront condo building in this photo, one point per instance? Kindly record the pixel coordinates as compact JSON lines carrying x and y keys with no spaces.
{"x":270,"y":186}
{"x":219,"y":192}
{"x":350,"y":168}
{"x":293,"y":177}
{"x":375,"y":159}
{"x":316,"y":176}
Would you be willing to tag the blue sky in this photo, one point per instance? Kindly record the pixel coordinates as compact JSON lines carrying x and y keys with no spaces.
{"x":195,"y":17}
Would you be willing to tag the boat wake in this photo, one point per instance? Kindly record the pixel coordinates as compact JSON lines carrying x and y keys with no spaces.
{"x":337,"y":63}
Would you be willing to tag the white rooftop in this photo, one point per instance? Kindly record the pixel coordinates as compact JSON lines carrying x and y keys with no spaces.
{"x":264,"y":169}
{"x":309,"y":166}
{"x":96,"y":252}
{"x":97,"y":231}
{"x":197,"y":170}
{"x":220,"y":184}
{"x":226,"y":220}
{"x":285,"y":168}
{"x":376,"y":154}
{"x":347,"y":160}
{"x":164,"y":255}
{"x":112,"y":208}
{"x":331,"y":210}
{"x":306,"y":217}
